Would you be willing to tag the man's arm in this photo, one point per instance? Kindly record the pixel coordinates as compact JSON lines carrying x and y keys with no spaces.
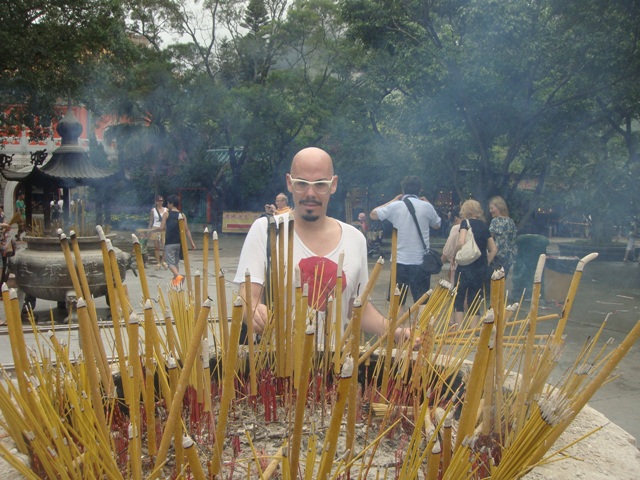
{"x":492,"y":250}
{"x":374,"y":214}
{"x":188,"y":232}
{"x":260,"y":316}
{"x":374,"y":322}
{"x":434,"y":219}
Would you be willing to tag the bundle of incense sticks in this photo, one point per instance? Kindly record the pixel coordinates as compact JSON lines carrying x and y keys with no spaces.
{"x":176,"y":407}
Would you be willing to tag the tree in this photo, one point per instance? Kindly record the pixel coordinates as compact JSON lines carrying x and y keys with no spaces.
{"x":50,"y":49}
{"x":502,"y":86}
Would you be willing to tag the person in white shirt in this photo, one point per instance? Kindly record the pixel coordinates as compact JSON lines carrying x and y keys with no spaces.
{"x":318,"y":242}
{"x":409,"y":273}
{"x":155,"y":220}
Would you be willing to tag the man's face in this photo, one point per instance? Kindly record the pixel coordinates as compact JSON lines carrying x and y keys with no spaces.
{"x":311,"y":201}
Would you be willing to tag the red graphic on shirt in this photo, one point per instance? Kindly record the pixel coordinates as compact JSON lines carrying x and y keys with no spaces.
{"x":320,"y":274}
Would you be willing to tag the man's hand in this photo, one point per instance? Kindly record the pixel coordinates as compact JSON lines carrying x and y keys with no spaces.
{"x":260,"y":318}
{"x":402,"y":334}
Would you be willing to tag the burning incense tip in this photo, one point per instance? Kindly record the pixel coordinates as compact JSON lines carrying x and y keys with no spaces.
{"x":584,"y":260}
{"x":134,"y":239}
{"x":207,"y":302}
{"x":133,"y":319}
{"x":59,"y":232}
{"x":448,"y":421}
{"x":100,"y":232}
{"x":513,"y":307}
{"x":311,"y":327}
{"x":347,"y":368}
{"x":72,"y":233}
{"x":147,"y":304}
{"x":5,"y":288}
{"x":81,"y":303}
{"x":187,"y":442}
{"x":215,"y":235}
{"x":498,"y":274}
{"x":109,"y":245}
{"x":537,"y":277}
{"x":206,"y":229}
{"x":236,"y":303}
{"x":171,"y":363}
{"x":13,"y":294}
{"x":180,"y":216}
{"x":63,"y":236}
{"x":197,"y":272}
{"x":357,"y":302}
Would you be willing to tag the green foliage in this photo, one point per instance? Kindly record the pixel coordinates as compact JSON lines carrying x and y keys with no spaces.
{"x":472,"y":95}
{"x":51,"y":49}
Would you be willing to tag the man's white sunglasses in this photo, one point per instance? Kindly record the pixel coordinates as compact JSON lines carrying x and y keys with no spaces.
{"x":320,"y":186}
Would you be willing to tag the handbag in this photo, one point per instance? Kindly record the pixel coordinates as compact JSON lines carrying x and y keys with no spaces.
{"x":431,"y":261}
{"x":469,"y":252}
{"x":8,"y":247}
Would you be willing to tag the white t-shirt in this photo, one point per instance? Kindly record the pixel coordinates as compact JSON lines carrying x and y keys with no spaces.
{"x":157,"y":220}
{"x":318,"y":272}
{"x":410,"y":249}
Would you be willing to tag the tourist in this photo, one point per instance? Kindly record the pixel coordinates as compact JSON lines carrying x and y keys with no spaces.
{"x":504,"y":232}
{"x":171,"y":228}
{"x":451,"y":245}
{"x":21,"y":210}
{"x":281,"y":206}
{"x":318,"y":242}
{"x":471,"y":278}
{"x":157,"y":237}
{"x":411,"y":247}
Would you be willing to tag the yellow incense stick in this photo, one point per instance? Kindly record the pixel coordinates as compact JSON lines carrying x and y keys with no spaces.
{"x":192,"y":456}
{"x":185,"y":253}
{"x":301,"y":399}
{"x":181,"y":387}
{"x":227,"y":386}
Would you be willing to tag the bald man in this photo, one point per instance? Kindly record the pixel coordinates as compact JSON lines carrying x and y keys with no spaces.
{"x":318,"y":242}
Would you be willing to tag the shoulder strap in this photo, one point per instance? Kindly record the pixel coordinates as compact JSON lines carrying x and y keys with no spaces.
{"x":267,"y":280}
{"x":412,"y":211}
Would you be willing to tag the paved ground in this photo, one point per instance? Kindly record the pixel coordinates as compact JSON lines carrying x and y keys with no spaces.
{"x":606,"y":287}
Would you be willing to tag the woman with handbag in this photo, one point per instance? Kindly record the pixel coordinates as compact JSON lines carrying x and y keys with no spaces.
{"x":475,"y":251}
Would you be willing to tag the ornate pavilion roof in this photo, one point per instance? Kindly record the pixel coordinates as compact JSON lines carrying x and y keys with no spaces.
{"x":69,"y":165}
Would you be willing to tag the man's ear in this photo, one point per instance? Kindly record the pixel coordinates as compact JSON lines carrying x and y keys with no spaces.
{"x":289,"y":186}
{"x":334,"y":184}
